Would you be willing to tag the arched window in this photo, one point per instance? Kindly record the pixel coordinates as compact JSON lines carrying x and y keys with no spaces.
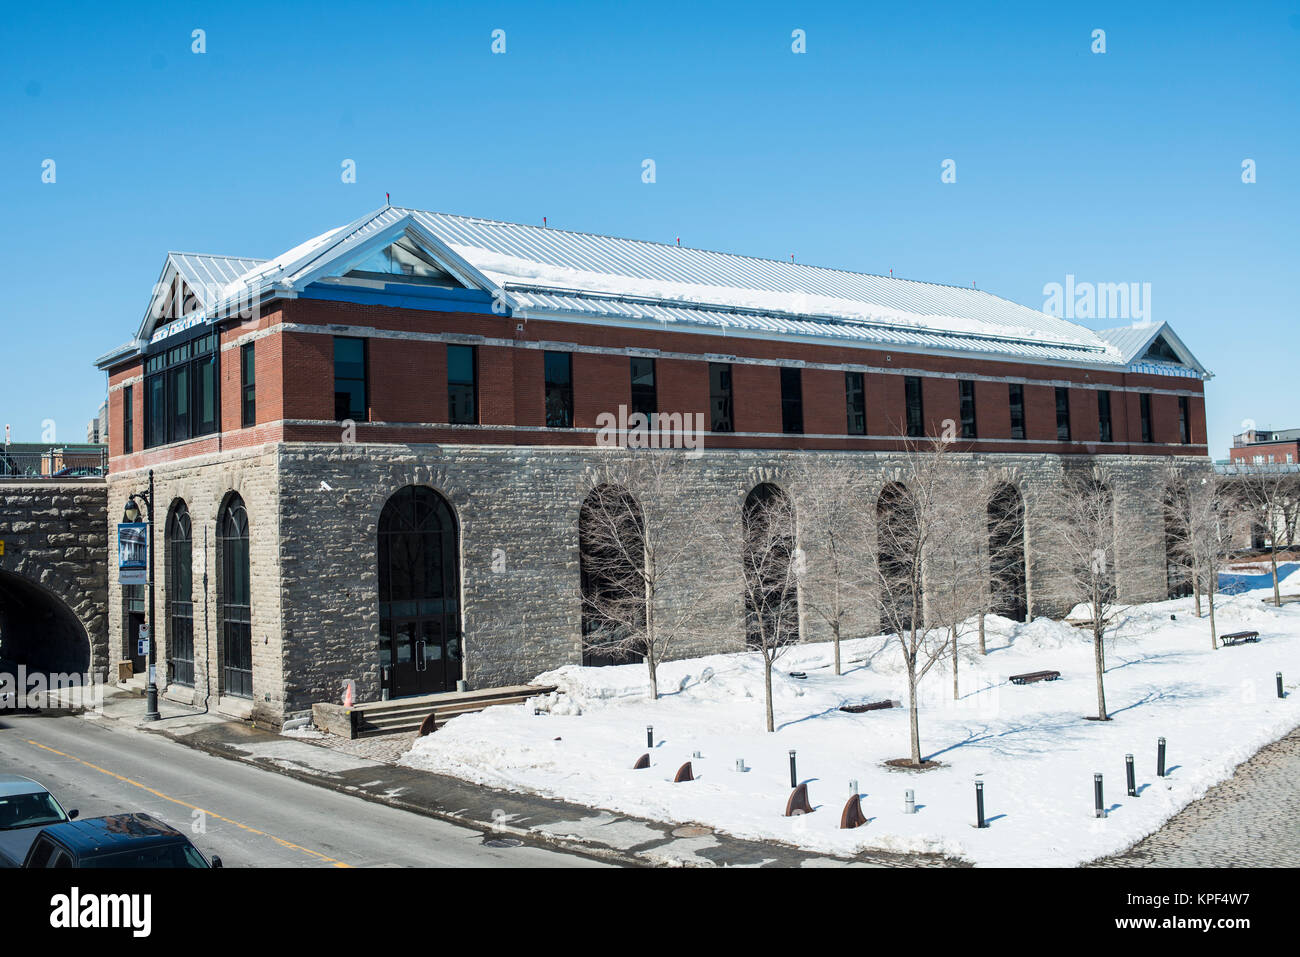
{"x":1007,"y":581}
{"x":236,"y":601}
{"x":771,"y":587}
{"x":899,"y":557}
{"x":611,"y":561}
{"x":419,"y":593}
{"x":180,"y":593}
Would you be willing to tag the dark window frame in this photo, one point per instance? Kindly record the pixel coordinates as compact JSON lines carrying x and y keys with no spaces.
{"x":353,"y":414}
{"x":721,"y":405}
{"x":180,"y":593}
{"x":128,"y":419}
{"x":1105,"y":421}
{"x":247,"y":385}
{"x":174,"y":377}
{"x":914,"y":406}
{"x":1184,"y":420}
{"x":792,"y":400}
{"x":1016,"y":407}
{"x":236,"y":608}
{"x":558,"y":394}
{"x":462,"y":403}
{"x":645,"y":398}
{"x":966,"y":405}
{"x":855,"y":401}
{"x":1144,"y":410}
{"x":1062,"y":414}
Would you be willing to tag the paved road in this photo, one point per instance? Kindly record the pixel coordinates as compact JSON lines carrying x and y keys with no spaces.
{"x":1247,"y":821}
{"x":250,"y":817}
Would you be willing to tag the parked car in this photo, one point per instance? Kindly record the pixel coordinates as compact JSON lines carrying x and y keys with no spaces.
{"x":119,"y":840}
{"x":25,"y":807}
{"x":79,"y":471}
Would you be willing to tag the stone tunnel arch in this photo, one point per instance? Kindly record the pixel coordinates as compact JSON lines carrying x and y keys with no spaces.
{"x":39,"y":631}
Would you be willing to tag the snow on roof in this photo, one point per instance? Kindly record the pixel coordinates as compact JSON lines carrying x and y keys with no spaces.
{"x":565,"y":274}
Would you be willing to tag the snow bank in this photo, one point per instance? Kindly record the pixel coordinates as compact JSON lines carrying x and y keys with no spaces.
{"x":1029,"y":744}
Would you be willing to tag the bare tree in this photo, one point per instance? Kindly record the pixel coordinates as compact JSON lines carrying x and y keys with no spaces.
{"x":915,"y":527}
{"x":770,"y":567}
{"x":1264,"y":492}
{"x":835,"y":544}
{"x":1199,"y":518}
{"x":1079,"y":519}
{"x":640,"y":553}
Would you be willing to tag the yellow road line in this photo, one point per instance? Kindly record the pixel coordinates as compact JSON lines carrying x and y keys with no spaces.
{"x":167,"y":797}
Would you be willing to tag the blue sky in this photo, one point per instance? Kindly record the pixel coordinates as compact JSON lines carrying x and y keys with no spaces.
{"x":1116,"y":167}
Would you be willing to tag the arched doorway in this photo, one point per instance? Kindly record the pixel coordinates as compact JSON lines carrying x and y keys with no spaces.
{"x":236,"y":600}
{"x":419,"y":593}
{"x":1008,"y":588}
{"x":611,"y":561}
{"x":897,"y":544}
{"x":771,"y":589}
{"x":38,"y":631}
{"x":180,"y":593}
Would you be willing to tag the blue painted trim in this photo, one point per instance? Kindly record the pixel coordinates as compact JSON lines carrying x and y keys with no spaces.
{"x":431,"y":298}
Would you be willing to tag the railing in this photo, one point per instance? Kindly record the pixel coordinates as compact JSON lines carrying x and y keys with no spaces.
{"x":55,"y":464}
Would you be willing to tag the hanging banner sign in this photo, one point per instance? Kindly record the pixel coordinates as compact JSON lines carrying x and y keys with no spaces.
{"x":133,"y":553}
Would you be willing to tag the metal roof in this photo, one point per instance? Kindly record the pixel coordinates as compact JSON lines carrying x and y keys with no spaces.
{"x":564,"y":274}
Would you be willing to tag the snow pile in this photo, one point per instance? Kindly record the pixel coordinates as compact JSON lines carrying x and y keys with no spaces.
{"x":1029,"y":744}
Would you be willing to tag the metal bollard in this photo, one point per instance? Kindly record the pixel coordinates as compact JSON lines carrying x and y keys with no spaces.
{"x":853,"y":786}
{"x":979,"y":805}
{"x":1098,"y":800}
{"x":1280,"y":692}
{"x":1160,"y":758}
{"x":1132,"y":781}
{"x":909,"y":802}
{"x":794,"y":778}
{"x":649,"y":736}
{"x":740,"y":765}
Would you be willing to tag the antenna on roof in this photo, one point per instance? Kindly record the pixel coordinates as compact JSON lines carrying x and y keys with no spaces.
{"x":792,"y":257}
{"x":388,"y":200}
{"x":974,"y":284}
{"x":543,"y":222}
{"x":891,"y":272}
{"x":679,"y":240}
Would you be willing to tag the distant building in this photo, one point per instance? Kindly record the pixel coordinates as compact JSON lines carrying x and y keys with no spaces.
{"x":97,"y":428}
{"x":1265,"y":447}
{"x":52,"y":460}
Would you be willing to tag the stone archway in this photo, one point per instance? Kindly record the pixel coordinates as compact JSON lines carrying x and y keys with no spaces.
{"x":38,"y":631}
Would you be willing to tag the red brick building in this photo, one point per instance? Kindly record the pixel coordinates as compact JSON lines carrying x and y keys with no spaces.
{"x":1265,"y":447}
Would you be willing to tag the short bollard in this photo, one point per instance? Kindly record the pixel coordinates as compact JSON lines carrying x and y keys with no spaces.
{"x":1160,"y":758}
{"x":1132,"y":780}
{"x":979,"y":805}
{"x":853,"y":786}
{"x":794,"y":778}
{"x":1280,"y":692}
{"x":649,"y":736}
{"x":909,"y":802}
{"x":1098,"y":800}
{"x":740,"y":765}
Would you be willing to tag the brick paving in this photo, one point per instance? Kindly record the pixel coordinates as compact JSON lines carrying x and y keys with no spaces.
{"x":1250,"y":820}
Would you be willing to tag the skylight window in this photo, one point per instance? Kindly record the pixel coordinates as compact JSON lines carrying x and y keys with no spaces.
{"x":403,"y":258}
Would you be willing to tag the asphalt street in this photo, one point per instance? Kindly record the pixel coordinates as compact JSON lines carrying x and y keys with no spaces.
{"x":250,"y":817}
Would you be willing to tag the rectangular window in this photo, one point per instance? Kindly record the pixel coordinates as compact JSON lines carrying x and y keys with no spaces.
{"x":791,"y":400}
{"x":350,"y":385}
{"x":559,"y":390}
{"x":247,"y":386}
{"x":1144,"y":402}
{"x":178,"y":403}
{"x":155,"y":411}
{"x":967,"y":390}
{"x":915,"y":409}
{"x":462,"y":385}
{"x":128,"y":420}
{"x":1016,"y":396}
{"x":1062,"y":414}
{"x":856,"y":397}
{"x":643,"y":386}
{"x":1103,"y":416}
{"x":720,"y":417}
{"x":180,"y":391}
{"x":1184,"y":421}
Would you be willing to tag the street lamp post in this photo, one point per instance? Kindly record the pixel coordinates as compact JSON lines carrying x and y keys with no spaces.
{"x":130,"y":514}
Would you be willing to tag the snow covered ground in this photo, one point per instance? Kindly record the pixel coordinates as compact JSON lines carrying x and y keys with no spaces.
{"x":1029,"y":744}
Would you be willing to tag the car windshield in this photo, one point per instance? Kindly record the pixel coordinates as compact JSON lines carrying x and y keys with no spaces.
{"x":159,"y":855}
{"x":29,"y":810}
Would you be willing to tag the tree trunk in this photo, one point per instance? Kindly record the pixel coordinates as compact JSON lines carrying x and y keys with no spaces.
{"x":767,"y":688}
{"x":1196,"y":590}
{"x":914,"y":717}
{"x":983,"y":650}
{"x":835,"y":633}
{"x":1100,"y":655}
{"x":955,"y":694}
{"x":1277,"y":592}
{"x":653,"y":668}
{"x":1214,"y":637}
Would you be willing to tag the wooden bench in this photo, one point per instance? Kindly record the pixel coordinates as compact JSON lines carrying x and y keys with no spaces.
{"x":1237,"y":637}
{"x":1031,"y":676}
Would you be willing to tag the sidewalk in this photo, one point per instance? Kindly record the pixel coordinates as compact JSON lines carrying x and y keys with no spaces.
{"x":589,"y":831}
